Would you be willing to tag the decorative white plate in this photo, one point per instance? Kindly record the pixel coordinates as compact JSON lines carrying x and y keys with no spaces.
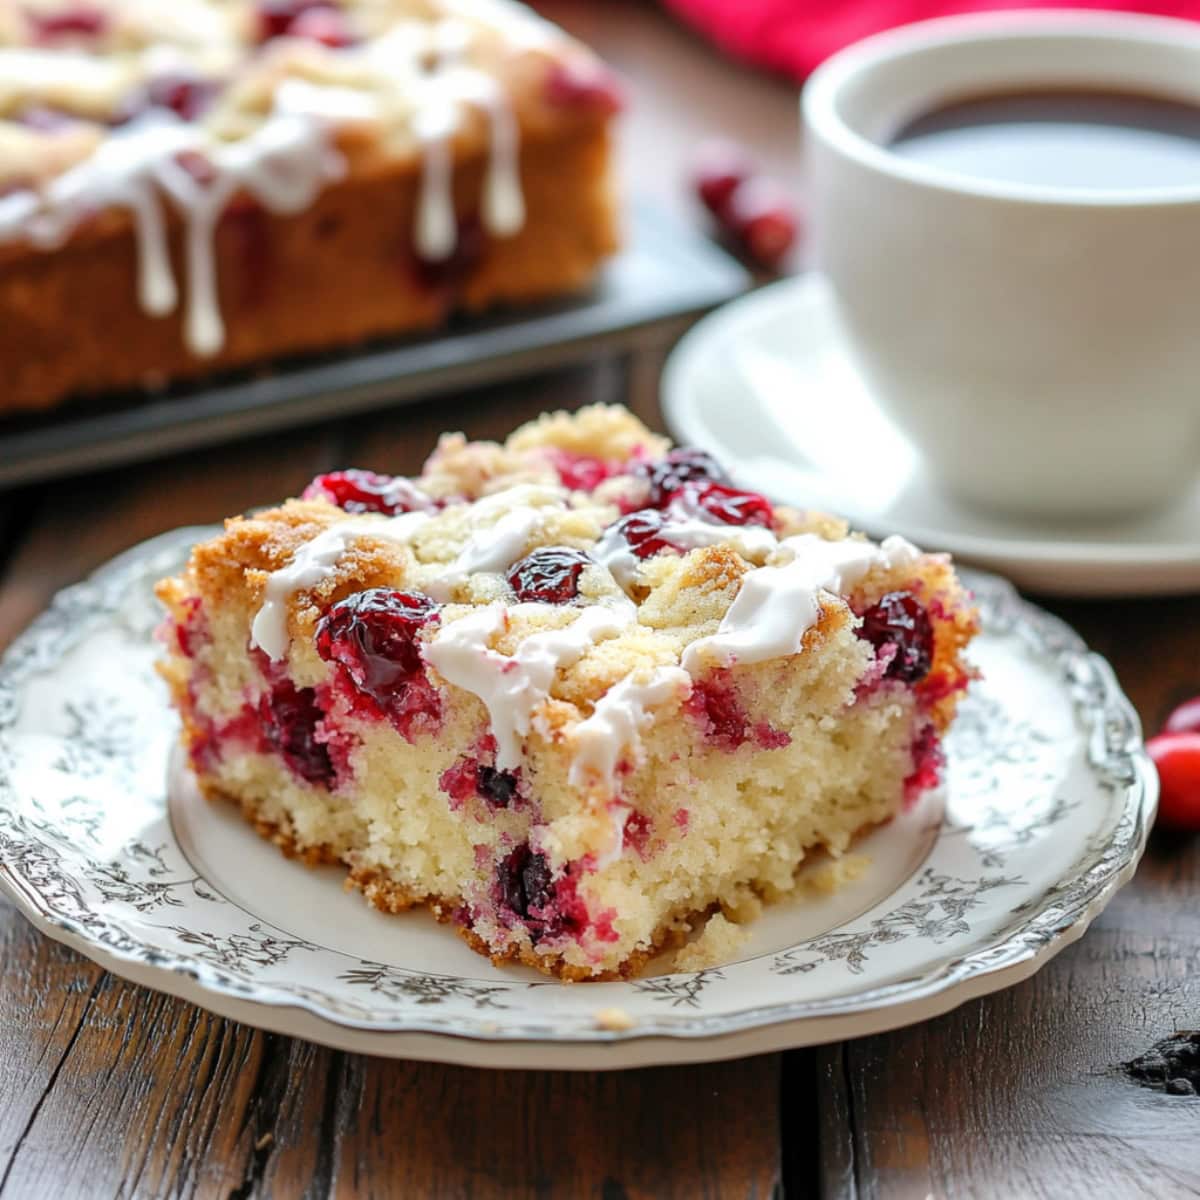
{"x":1043,"y":816}
{"x":768,"y":384}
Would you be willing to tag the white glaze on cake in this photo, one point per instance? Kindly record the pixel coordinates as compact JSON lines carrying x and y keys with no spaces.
{"x":617,"y":719}
{"x":777,"y":605}
{"x":512,"y":686}
{"x":314,"y":562}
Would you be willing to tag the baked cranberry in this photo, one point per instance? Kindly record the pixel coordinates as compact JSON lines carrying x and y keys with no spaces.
{"x":720,"y":166}
{"x":1177,"y":757}
{"x":524,"y":881}
{"x":1185,"y":718}
{"x":445,"y":274}
{"x":276,"y":18}
{"x":549,"y":575}
{"x":667,"y":475}
{"x":760,"y":215}
{"x":290,"y":717}
{"x":374,"y":635}
{"x":642,"y":531}
{"x":928,"y":760}
{"x":715,"y":704}
{"x":582,"y":472}
{"x":498,"y":788}
{"x":900,"y":620}
{"x":356,"y":491}
{"x":188,"y":96}
{"x":80,"y":20}
{"x":324,"y":25}
{"x":584,"y":83}
{"x":731,"y":506}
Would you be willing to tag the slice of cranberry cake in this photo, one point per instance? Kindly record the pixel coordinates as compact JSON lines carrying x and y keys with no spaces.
{"x":573,"y":692}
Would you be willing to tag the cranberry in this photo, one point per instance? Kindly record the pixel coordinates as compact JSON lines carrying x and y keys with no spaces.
{"x":586,"y":84}
{"x":900,"y":620}
{"x":715,"y":704}
{"x":731,"y":506}
{"x":667,"y":475}
{"x":759,"y":214}
{"x":276,"y":18}
{"x":719,"y":168}
{"x":928,"y":761}
{"x":1185,"y":718}
{"x":582,"y":472}
{"x":642,"y":530}
{"x":290,"y":718}
{"x":356,"y":491}
{"x":374,"y":636}
{"x":188,"y":96}
{"x":324,"y":25}
{"x":1177,"y":757}
{"x":76,"y":19}
{"x":549,"y":575}
{"x":498,"y":788}
{"x":524,"y":881}
{"x":446,"y":274}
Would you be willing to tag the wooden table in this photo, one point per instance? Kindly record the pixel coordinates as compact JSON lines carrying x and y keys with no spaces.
{"x":110,"y":1090}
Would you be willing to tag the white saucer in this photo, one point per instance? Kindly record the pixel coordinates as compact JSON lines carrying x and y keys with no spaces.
{"x":767,"y":384}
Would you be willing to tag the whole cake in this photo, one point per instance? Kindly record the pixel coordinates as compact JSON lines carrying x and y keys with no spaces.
{"x":200,"y":184}
{"x":574,"y":692}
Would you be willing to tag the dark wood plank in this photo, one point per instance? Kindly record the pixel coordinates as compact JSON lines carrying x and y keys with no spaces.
{"x":1022,"y":1093}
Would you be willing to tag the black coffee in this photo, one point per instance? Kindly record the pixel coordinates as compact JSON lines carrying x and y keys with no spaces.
{"x":1061,"y":138}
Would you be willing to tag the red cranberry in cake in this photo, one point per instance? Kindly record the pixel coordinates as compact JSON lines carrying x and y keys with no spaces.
{"x":290,"y":717}
{"x":548,"y":576}
{"x":524,"y":882}
{"x":729,"y":505}
{"x":667,"y":475}
{"x":188,"y":96}
{"x":277,"y":18}
{"x":583,"y":472}
{"x":901,"y":621}
{"x":643,"y":532}
{"x":71,"y":20}
{"x":584,"y":84}
{"x":447,"y":274}
{"x":356,"y":491}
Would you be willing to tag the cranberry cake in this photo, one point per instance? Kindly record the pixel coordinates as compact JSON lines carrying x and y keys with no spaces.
{"x":194,"y":185}
{"x":574,"y":692}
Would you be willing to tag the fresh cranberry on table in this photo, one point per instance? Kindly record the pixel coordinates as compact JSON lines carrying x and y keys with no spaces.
{"x":763,"y":220}
{"x":719,"y":168}
{"x":586,"y":84}
{"x":1177,"y":757}
{"x":549,"y":575}
{"x":1185,"y":718}
{"x":667,"y":475}
{"x":729,"y":505}
{"x":356,"y":491}
{"x":374,"y":635}
{"x":899,"y":619}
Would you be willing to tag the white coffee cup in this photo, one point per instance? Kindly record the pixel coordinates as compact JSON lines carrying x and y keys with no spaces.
{"x":1040,"y":346}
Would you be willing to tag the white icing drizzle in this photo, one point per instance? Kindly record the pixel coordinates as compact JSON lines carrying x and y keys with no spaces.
{"x":512,"y":686}
{"x":495,"y":548}
{"x":686,"y":533}
{"x":314,"y":562}
{"x":617,"y":720}
{"x":775,"y":606}
{"x":283,"y":164}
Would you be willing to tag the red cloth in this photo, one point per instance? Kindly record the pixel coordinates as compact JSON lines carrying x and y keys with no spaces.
{"x":794,"y":36}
